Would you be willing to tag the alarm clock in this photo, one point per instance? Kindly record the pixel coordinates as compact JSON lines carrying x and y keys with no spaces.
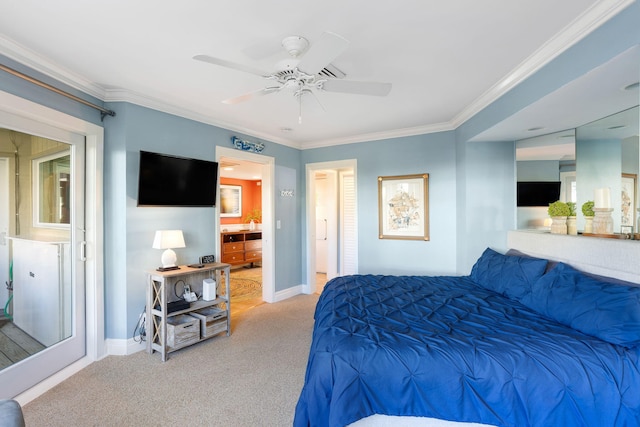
{"x":207,"y":259}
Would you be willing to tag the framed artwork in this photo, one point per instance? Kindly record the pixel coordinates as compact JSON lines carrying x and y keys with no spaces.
{"x":403,"y":207}
{"x":628,"y":199}
{"x":230,"y":201}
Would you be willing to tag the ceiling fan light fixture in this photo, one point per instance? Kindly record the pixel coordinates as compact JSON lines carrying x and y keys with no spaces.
{"x":295,"y":45}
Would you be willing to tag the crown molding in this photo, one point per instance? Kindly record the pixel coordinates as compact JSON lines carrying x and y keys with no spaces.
{"x":377,"y":136}
{"x":587,"y":22}
{"x":39,"y":63}
{"x":121,"y":95}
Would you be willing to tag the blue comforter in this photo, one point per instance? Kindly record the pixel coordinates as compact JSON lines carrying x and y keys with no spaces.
{"x":444,"y":347}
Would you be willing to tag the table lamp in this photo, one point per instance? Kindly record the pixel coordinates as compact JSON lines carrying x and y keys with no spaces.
{"x":168,"y":240}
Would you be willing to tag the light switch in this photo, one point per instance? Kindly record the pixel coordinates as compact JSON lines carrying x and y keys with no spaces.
{"x":278,"y":224}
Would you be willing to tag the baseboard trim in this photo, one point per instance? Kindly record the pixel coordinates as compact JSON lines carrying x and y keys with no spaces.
{"x":289,"y":292}
{"x":120,"y":347}
{"x":52,"y":381}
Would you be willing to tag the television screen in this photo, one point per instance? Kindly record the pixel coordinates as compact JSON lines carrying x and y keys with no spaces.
{"x":165,"y":180}
{"x":538,"y":193}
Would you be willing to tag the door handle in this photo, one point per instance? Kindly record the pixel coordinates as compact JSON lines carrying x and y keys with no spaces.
{"x":83,"y":251}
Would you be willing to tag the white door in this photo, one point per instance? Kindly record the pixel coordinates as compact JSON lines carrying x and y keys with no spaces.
{"x":341,"y":213}
{"x":348,"y":224}
{"x":40,"y":217}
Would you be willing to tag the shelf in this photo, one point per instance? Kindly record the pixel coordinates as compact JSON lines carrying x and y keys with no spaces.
{"x":197,"y":305}
{"x":626,"y":236}
{"x":160,"y":284}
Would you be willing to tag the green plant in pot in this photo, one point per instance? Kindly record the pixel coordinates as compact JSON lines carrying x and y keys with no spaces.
{"x":559,"y":211}
{"x":587,"y":211}
{"x":587,"y":208}
{"x":558,"y":208}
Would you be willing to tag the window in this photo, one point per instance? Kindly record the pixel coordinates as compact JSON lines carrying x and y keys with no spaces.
{"x":52,"y":191}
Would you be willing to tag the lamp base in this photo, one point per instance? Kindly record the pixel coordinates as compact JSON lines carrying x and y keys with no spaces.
{"x":175,"y":267}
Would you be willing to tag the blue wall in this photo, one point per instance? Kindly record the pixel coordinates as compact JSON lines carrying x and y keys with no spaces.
{"x":434,"y":154}
{"x":130,"y":229}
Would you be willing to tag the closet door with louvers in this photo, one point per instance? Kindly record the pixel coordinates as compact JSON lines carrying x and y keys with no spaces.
{"x":349,"y":224}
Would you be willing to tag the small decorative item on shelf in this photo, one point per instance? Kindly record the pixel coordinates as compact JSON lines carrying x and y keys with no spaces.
{"x":602,"y":221}
{"x":253,"y":217}
{"x":559,"y":211}
{"x":572,"y":225}
{"x":587,"y":211}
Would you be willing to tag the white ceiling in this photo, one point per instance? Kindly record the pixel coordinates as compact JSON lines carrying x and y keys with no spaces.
{"x":446,"y":60}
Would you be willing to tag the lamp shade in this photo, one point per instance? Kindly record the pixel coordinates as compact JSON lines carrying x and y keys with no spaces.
{"x":168,"y":239}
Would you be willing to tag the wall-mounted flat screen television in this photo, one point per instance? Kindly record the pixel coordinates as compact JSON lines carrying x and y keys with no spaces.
{"x":538,"y":193}
{"x":165,"y":180}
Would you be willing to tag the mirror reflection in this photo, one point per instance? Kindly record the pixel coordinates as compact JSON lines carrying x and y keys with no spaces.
{"x":604,"y":153}
{"x":53,"y":190}
{"x":607,"y":156}
{"x":35,"y":253}
{"x":546,"y":172}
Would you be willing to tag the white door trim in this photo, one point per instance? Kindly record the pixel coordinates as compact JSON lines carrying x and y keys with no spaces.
{"x":4,"y":230}
{"x":310,"y":170}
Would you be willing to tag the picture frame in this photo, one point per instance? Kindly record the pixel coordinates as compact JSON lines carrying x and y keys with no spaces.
{"x":403,"y":207}
{"x":629,"y":197}
{"x":230,"y":201}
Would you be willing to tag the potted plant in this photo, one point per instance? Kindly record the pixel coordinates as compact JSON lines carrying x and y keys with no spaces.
{"x":572,"y":225}
{"x":587,"y":211}
{"x":253,"y":217}
{"x":559,"y":211}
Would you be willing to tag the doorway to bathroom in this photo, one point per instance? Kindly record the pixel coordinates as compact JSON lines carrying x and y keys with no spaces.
{"x":245,"y":223}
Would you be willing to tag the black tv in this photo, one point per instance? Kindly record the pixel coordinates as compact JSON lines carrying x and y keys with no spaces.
{"x":165,"y":180}
{"x":537,"y":193}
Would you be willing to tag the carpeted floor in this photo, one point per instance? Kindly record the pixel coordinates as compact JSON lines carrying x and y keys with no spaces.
{"x":251,"y":378}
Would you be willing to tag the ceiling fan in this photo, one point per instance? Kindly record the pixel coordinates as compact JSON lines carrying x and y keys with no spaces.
{"x":308,"y":69}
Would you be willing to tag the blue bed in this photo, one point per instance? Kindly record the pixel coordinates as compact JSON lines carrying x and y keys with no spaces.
{"x":516,"y":343}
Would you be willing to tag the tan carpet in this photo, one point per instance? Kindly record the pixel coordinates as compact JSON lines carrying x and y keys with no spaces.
{"x":252,"y":378}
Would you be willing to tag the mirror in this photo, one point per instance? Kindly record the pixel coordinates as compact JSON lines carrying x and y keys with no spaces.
{"x":546,"y":167}
{"x":52,"y":190}
{"x":607,"y":155}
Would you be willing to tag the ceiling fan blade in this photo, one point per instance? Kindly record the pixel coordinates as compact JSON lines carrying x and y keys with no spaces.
{"x":357,"y":87}
{"x":229,"y":64}
{"x":250,"y":95}
{"x":324,"y":50}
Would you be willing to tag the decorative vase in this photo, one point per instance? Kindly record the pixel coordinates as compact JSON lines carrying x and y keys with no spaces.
{"x":588,"y":224}
{"x":572,"y":226}
{"x":602,"y":221}
{"x":252,"y":225}
{"x":559,"y":225}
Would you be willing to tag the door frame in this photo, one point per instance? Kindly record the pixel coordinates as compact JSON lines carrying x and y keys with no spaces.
{"x":29,"y":117}
{"x":268,"y":213}
{"x":4,"y":228}
{"x":310,"y":171}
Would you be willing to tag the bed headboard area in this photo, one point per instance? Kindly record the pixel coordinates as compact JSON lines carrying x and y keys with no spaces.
{"x":616,"y":258}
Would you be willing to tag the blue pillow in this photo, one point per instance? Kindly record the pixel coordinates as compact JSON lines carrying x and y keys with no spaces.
{"x":511,"y":276}
{"x":604,"y":309}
